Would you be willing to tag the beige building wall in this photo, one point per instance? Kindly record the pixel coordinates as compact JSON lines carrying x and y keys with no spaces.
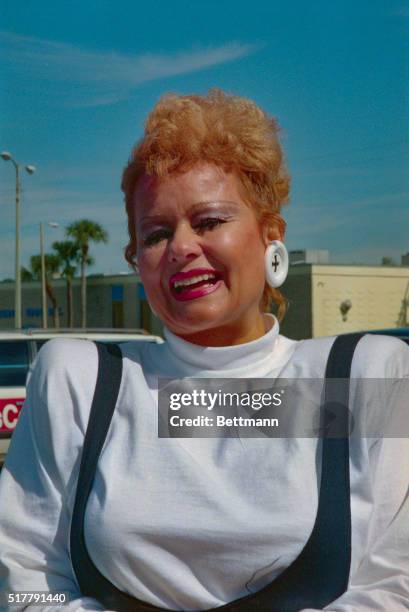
{"x":376,"y":294}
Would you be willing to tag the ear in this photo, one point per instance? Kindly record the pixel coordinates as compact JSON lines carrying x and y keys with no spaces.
{"x":272,"y":232}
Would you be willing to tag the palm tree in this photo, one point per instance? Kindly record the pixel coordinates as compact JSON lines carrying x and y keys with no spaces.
{"x":83,"y":232}
{"x":52,"y":265}
{"x":68,"y":252}
{"x":26,"y":275}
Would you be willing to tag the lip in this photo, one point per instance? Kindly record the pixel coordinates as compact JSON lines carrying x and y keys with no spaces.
{"x":190,"y":273}
{"x":192,"y":294}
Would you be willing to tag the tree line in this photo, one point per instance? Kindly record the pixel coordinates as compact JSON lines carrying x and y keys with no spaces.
{"x":64,"y":260}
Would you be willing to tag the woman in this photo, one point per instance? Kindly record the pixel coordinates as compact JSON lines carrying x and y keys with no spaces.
{"x":193,"y":524}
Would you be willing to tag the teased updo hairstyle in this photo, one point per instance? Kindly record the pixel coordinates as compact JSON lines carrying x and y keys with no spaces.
{"x":229,"y":131}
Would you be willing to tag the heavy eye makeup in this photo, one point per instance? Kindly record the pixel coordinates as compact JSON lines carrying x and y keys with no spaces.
{"x":201,"y":225}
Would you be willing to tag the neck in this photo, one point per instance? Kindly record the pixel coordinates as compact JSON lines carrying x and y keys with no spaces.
{"x":227,"y":335}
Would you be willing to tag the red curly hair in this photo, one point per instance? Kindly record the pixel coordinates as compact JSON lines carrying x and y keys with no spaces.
{"x":229,"y":131}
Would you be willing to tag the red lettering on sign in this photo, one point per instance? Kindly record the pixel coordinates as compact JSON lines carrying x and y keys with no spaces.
{"x":9,"y":412}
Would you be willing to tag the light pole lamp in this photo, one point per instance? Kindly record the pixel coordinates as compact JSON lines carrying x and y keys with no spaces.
{"x":17,"y":300}
{"x":43,"y":285}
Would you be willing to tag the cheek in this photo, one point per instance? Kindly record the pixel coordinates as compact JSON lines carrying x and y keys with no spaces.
{"x":233,"y":233}
{"x":243,"y":247}
{"x":149,"y":267}
{"x":250,"y":251}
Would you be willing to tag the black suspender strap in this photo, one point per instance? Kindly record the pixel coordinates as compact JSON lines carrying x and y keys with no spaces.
{"x":320,"y":573}
{"x":318,"y":576}
{"x":91,"y":582}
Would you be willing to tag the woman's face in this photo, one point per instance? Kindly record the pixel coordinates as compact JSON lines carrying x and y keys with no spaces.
{"x":201,"y":255}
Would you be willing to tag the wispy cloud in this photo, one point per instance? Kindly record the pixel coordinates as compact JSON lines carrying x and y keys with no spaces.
{"x":104,"y":78}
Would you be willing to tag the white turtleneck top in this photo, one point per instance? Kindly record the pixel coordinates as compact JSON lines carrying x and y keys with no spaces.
{"x":191,"y":524}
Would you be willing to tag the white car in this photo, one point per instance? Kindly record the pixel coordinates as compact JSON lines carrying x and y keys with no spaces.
{"x":18,"y":350}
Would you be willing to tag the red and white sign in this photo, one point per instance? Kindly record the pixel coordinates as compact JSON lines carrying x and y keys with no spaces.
{"x":9,"y":412}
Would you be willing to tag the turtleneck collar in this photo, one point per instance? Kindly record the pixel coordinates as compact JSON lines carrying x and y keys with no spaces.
{"x":227,"y":358}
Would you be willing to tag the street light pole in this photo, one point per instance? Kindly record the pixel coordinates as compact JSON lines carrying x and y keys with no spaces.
{"x":43,"y":289}
{"x":17,"y":299}
{"x":17,"y":307}
{"x":43,"y":275}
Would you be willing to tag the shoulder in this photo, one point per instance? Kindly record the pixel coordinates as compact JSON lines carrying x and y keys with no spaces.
{"x":61,"y":357}
{"x":62,"y":380}
{"x":375,"y":356}
{"x":379,"y":356}
{"x":55,"y":414}
{"x":57,"y":350}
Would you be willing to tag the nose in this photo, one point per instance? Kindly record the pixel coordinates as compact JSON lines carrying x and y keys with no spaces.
{"x":184,"y":244}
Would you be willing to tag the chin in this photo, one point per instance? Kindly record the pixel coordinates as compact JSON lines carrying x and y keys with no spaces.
{"x":198,"y":316}
{"x":192,"y":326}
{"x":193,"y":321}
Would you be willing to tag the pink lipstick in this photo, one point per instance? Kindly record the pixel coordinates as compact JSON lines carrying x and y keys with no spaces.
{"x":194,"y":283}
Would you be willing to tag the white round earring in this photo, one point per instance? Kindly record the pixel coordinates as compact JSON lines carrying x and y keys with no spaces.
{"x":276,"y":263}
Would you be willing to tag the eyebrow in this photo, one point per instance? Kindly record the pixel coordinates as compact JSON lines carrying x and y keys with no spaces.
{"x":197,"y":206}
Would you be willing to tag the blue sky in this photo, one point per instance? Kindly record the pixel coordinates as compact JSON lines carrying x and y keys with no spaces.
{"x":80,"y":76}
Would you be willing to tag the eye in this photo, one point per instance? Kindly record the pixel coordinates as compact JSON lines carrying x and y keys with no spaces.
{"x":209,"y":223}
{"x":156,"y":236}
